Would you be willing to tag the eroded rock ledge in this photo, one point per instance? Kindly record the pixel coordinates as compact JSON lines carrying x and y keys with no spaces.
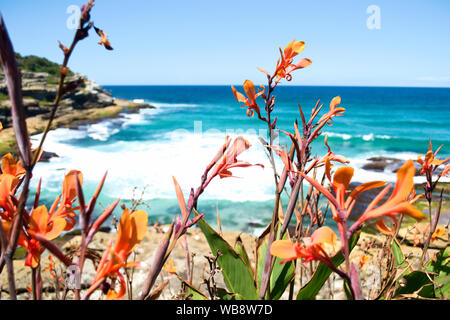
{"x":89,"y":103}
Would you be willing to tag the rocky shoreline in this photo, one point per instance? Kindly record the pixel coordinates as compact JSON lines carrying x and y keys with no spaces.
{"x":89,"y":103}
{"x":370,"y":245}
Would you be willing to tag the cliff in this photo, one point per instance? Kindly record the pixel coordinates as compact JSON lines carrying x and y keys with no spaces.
{"x":88,"y":103}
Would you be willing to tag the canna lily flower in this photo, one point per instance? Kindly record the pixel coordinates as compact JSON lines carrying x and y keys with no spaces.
{"x":131,"y":231}
{"x":396,"y":204}
{"x":229,"y":160}
{"x":40,"y":223}
{"x":67,"y":199}
{"x":249,"y":102}
{"x":333,"y":112}
{"x":10,"y":166}
{"x":285,"y":65}
{"x":340,"y":183}
{"x":7,"y":188}
{"x":322,"y":245}
{"x":430,"y":163}
{"x":11,"y":172}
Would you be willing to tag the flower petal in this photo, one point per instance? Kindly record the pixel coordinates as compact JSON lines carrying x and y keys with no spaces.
{"x":239,"y":96}
{"x":342,"y":177}
{"x":58,"y":226}
{"x":284,"y":249}
{"x":404,"y":183}
{"x":180,"y":198}
{"x":39,"y":220}
{"x":249,"y":89}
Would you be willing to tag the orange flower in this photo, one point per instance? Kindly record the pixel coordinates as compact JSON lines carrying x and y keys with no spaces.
{"x":322,"y":245}
{"x":249,"y":102}
{"x":333,"y":112}
{"x":430,"y":163}
{"x":7,"y":188}
{"x":438,"y":233}
{"x":67,"y":199}
{"x":362,"y":260}
{"x":285,"y":65}
{"x":131,"y":231}
{"x":12,"y":171}
{"x":229,"y":160}
{"x":169,"y":267}
{"x":10,"y":166}
{"x":40,"y":222}
{"x":396,"y":204}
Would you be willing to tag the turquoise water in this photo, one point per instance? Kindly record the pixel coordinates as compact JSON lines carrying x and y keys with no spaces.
{"x":142,"y":151}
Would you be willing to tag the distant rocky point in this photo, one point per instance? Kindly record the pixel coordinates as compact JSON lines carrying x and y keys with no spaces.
{"x":38,"y":96}
{"x":88,"y":103}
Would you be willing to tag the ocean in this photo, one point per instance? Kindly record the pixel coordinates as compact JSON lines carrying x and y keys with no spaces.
{"x":142,"y":151}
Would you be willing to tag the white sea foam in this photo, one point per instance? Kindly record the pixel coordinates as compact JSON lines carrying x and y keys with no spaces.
{"x":344,"y":136}
{"x":368,"y":137}
{"x":151,"y":164}
{"x":365,"y":137}
{"x":101,"y":131}
{"x":171,"y":105}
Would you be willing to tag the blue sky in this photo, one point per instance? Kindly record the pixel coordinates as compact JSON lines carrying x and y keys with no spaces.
{"x":222,"y":42}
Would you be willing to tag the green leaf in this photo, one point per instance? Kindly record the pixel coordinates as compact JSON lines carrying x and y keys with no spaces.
{"x":416,"y":282}
{"x":442,"y":287}
{"x":399,"y":257}
{"x":440,"y":263}
{"x":439,"y":266}
{"x":281,"y":276}
{"x":400,"y":261}
{"x":225,"y":295}
{"x":312,"y":288}
{"x":240,"y":249}
{"x":348,"y":291}
{"x":192,"y":292}
{"x":237,"y":275}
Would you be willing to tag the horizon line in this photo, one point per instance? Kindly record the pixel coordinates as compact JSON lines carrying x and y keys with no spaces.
{"x":289,"y":85}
